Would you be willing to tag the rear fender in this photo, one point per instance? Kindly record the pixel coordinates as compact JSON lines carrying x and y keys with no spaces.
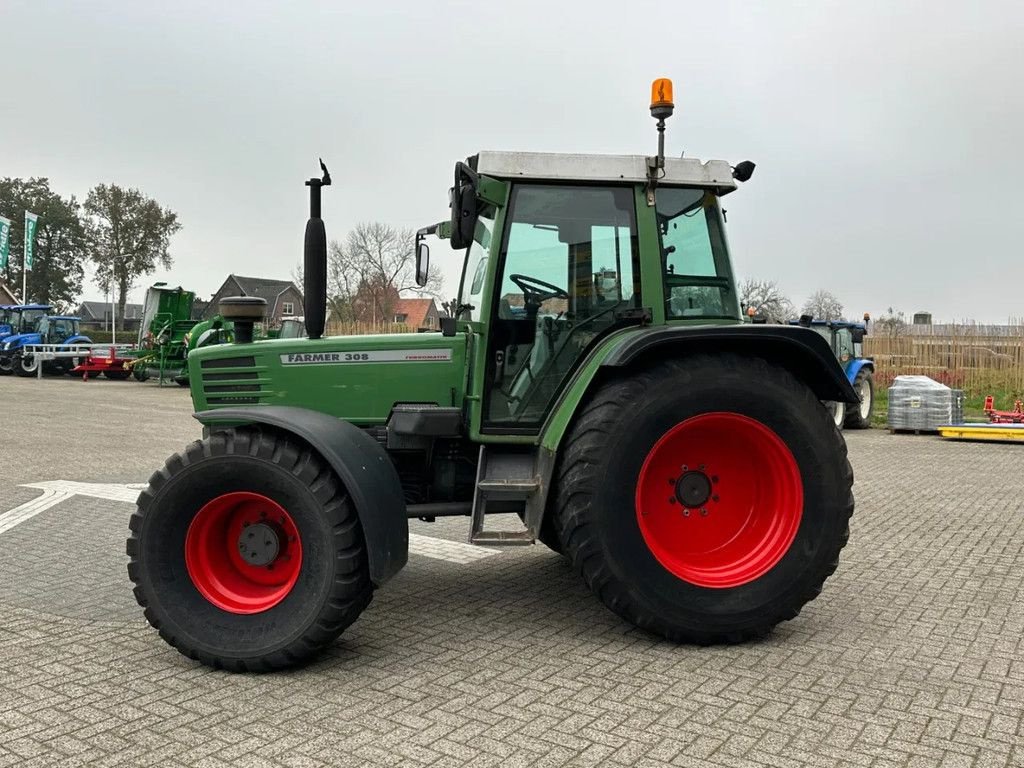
{"x":800,"y":350}
{"x":361,"y":463}
{"x":854,"y":367}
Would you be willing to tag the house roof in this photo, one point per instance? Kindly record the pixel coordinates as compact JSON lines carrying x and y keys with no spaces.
{"x":415,"y":311}
{"x":98,"y":310}
{"x":266,"y":288}
{"x":6,"y":294}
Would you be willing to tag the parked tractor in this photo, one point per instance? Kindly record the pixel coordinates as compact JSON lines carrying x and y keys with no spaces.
{"x":37,"y":328}
{"x":679,"y":458}
{"x":168,"y":333}
{"x":847,"y":342}
{"x":20,"y":318}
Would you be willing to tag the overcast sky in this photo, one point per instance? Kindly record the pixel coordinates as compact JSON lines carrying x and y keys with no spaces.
{"x":887,"y":134}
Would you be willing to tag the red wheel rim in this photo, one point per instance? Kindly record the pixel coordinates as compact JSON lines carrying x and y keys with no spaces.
{"x":719,"y":500}
{"x":243,"y":552}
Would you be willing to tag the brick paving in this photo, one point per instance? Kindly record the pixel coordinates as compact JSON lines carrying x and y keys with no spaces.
{"x":912,"y":656}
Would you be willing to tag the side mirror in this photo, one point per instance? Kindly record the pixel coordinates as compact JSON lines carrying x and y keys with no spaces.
{"x":422,"y":264}
{"x":857,"y":335}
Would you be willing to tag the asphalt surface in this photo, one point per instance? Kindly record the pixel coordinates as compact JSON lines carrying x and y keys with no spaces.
{"x":912,"y":656}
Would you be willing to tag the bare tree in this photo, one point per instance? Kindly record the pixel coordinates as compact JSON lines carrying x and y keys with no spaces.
{"x":823,"y":305}
{"x":371,"y":269}
{"x":767,"y":300}
{"x":891,"y":324}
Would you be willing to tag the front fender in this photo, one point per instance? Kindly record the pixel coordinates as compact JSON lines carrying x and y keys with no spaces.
{"x":361,"y":463}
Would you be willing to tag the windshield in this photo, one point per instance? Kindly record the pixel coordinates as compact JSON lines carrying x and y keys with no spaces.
{"x":474,"y":271}
{"x":30,"y":320}
{"x":698,"y":278}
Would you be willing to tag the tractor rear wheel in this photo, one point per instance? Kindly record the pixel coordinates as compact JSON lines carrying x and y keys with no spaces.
{"x":247,"y":553}
{"x":705,"y":499}
{"x":859,"y":416}
{"x":837,"y":411}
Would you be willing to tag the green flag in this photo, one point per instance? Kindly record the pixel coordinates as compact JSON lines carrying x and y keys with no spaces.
{"x":30,"y":239}
{"x":5,"y":241}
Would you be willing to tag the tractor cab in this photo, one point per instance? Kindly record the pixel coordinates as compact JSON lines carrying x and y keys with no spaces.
{"x":21,"y":318}
{"x":554,"y":266}
{"x":56,"y":329}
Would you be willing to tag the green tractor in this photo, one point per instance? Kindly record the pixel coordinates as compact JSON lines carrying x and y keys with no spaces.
{"x":168,"y":333}
{"x":597,"y":387}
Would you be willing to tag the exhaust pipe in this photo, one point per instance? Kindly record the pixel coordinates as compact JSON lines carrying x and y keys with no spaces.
{"x":314,"y":262}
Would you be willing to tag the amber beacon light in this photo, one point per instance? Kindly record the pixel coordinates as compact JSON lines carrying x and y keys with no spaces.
{"x":661,"y":98}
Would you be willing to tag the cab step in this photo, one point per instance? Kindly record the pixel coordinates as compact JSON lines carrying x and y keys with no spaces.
{"x":514,"y":480}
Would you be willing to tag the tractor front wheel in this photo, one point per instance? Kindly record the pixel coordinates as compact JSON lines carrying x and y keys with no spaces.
{"x":704,"y":499}
{"x":26,"y":365}
{"x":247,"y":553}
{"x":859,"y":416}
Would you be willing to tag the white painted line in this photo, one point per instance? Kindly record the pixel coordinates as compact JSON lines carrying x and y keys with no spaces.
{"x":30,"y":509}
{"x":451,"y":551}
{"x":56,"y":491}
{"x":109,"y":491}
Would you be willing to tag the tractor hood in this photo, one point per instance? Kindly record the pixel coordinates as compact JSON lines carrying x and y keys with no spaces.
{"x":356,"y":378}
{"x":19,"y":339}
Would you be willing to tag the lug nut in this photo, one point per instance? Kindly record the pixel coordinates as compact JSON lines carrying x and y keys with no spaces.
{"x":685,"y":468}
{"x":703,"y":512}
{"x":702,"y":467}
{"x":242,"y":547}
{"x":686,"y":513}
{"x":715,"y":497}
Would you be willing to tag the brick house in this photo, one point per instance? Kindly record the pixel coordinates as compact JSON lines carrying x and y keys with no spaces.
{"x":284,"y":299}
{"x":419,"y":314}
{"x":96,"y":315}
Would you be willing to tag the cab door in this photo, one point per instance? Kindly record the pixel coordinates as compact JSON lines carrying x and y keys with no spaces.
{"x":567,"y":268}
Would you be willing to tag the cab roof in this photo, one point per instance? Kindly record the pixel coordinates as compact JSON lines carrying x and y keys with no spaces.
{"x":26,"y":306}
{"x":553,"y":166}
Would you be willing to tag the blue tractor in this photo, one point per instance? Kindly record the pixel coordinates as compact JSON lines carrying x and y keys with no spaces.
{"x":847,"y":340}
{"x":37,"y":327}
{"x":16,"y":319}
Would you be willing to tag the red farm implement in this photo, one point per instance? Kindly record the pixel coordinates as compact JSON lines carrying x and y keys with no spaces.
{"x":114,"y":365}
{"x":1016,"y":416}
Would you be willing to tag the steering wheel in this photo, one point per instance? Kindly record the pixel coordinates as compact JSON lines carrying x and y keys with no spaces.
{"x":529,"y":285}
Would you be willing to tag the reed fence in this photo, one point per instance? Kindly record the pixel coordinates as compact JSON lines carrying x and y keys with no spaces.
{"x":977,"y":359}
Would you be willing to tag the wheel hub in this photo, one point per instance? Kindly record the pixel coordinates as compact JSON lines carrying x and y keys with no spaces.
{"x":259,"y":544}
{"x":733,"y":503}
{"x":693,"y":489}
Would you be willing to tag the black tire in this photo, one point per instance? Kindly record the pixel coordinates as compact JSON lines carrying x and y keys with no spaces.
{"x":596,"y":510}
{"x":854,"y":418}
{"x":25,"y":369}
{"x":116,"y":375}
{"x":333,"y":584}
{"x":6,"y":365}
